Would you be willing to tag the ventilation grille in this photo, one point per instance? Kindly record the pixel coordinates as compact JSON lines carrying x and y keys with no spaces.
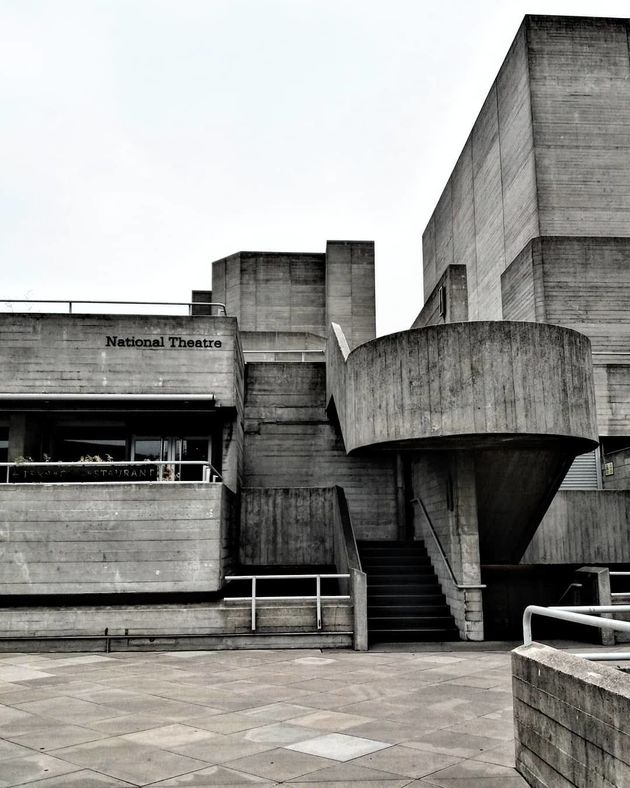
{"x":584,"y":473}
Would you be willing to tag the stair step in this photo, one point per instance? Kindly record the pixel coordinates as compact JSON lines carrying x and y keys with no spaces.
{"x":413,"y":635}
{"x":394,"y":610}
{"x":388,"y":560}
{"x":419,"y":600}
{"x":407,"y":547}
{"x":422,"y":575}
{"x":397,"y":551}
{"x":409,"y":622}
{"x":412,"y":549}
{"x":412,"y":583}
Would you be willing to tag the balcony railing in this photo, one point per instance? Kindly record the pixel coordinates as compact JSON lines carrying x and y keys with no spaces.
{"x":124,"y":471}
{"x":70,"y":307}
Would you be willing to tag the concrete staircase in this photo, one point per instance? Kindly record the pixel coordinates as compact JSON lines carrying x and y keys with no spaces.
{"x":405,"y":601}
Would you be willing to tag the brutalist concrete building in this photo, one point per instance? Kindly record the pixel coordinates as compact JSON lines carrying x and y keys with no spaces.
{"x":265,"y":470}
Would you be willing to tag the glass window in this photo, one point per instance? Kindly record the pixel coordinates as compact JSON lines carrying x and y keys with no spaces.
{"x":4,"y":444}
{"x":71,"y":449}
{"x":193,"y":449}
{"x":147,"y":449}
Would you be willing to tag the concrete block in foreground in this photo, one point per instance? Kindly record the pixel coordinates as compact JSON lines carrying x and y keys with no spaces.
{"x":571,"y":720}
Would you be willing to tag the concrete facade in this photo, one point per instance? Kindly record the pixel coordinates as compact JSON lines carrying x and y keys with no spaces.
{"x":431,"y":455}
{"x":532,"y":226}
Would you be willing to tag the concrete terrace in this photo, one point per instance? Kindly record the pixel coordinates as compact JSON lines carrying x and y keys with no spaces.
{"x":226,"y":718}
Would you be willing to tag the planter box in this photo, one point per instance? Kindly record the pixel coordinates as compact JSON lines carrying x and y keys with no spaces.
{"x":95,"y":472}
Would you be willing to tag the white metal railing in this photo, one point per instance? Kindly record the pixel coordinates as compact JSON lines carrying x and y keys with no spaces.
{"x":581,"y":615}
{"x":303,"y":353}
{"x":209,"y":472}
{"x":317,"y":596}
{"x":619,"y":593}
{"x":7,"y":302}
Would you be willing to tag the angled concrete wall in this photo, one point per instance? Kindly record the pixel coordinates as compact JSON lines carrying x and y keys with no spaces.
{"x":583,"y":527}
{"x":488,"y":209}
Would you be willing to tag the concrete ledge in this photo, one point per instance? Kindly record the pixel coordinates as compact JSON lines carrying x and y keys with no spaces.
{"x":221,"y":619}
{"x":281,"y":640}
{"x":572,"y":719}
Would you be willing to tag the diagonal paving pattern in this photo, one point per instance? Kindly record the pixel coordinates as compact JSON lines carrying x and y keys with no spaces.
{"x":239,"y":718}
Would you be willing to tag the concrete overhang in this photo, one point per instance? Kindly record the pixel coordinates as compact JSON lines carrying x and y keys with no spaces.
{"x":465,"y":385}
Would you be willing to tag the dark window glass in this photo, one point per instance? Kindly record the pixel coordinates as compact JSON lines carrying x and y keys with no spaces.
{"x":71,"y":449}
{"x":148,"y":449}
{"x":4,"y":444}
{"x":193,"y":449}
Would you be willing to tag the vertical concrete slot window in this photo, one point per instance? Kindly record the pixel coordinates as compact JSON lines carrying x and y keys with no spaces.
{"x":442,"y":301}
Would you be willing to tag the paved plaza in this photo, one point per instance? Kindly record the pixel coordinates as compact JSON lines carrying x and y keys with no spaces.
{"x":228,"y":718}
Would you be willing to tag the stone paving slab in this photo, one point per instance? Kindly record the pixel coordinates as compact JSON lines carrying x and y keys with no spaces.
{"x":394,"y":718}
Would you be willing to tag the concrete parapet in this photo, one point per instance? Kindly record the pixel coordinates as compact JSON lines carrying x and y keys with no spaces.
{"x":466,"y":382}
{"x":572,"y":720}
{"x":85,"y":538}
{"x":121,"y":355}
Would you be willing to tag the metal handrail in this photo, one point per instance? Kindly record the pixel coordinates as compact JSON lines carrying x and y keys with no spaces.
{"x":567,"y":589}
{"x":70,"y":303}
{"x":317,"y":596}
{"x":581,"y":615}
{"x":209,"y":469}
{"x":619,"y":593}
{"x":463,"y":586}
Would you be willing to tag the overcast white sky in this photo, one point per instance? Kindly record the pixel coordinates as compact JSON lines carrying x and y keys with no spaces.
{"x":142,"y":139}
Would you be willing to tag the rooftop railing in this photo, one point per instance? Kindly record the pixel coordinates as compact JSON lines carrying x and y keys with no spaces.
{"x":70,"y":307}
